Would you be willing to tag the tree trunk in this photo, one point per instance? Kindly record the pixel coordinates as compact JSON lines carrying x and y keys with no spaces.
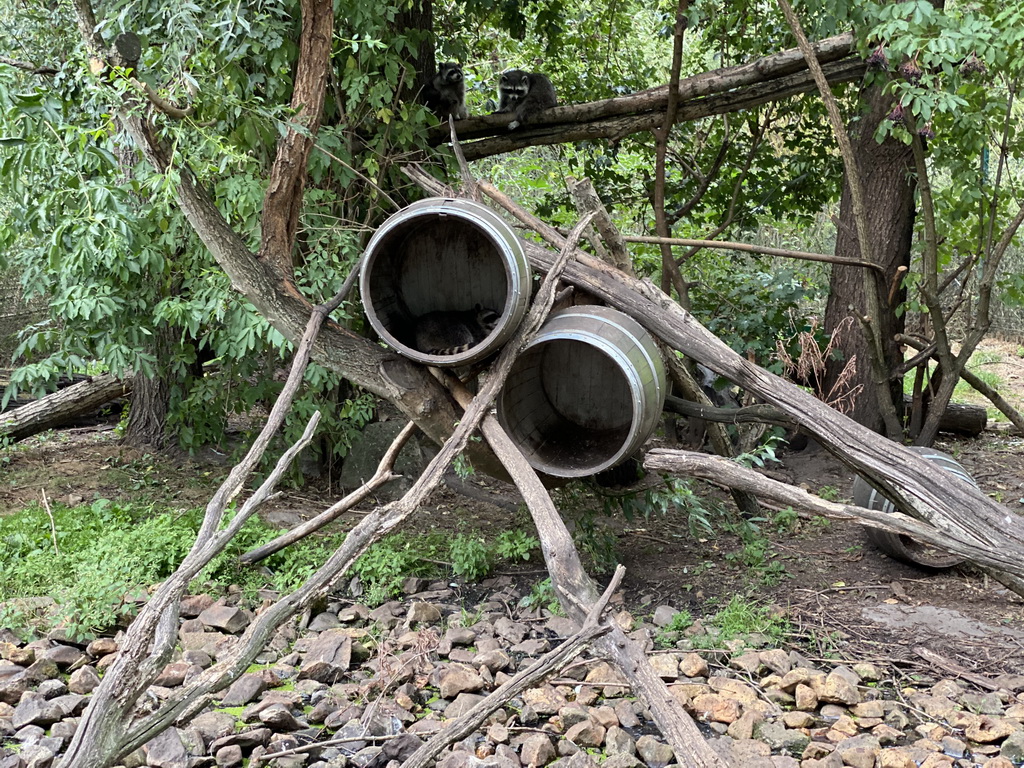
{"x":886,"y":171}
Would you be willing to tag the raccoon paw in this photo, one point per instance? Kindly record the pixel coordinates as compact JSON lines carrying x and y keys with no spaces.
{"x":513,"y":125}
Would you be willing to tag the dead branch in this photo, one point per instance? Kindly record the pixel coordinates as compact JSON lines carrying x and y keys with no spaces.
{"x":384,"y":473}
{"x":872,"y":324}
{"x":586,"y":199}
{"x":749,"y":248}
{"x":1007,"y":562}
{"x":546,"y":665}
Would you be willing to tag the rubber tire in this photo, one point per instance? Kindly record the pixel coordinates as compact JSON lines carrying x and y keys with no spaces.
{"x":899,"y":546}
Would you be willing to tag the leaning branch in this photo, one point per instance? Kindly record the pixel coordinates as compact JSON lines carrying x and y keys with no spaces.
{"x":733,"y":475}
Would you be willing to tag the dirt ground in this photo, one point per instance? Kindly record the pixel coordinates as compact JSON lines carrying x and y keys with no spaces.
{"x":844,"y":598}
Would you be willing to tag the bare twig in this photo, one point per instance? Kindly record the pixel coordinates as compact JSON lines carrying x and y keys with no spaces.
{"x":383,"y":474}
{"x":749,"y":248}
{"x":53,"y":526}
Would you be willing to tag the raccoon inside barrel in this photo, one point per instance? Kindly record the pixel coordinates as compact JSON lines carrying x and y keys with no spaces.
{"x":453,"y":332}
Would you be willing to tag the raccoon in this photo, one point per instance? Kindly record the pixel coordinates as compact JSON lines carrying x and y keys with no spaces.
{"x":524,"y":94}
{"x":445,"y":93}
{"x":454,"y":332}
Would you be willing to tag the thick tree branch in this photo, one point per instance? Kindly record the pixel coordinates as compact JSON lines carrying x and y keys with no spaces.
{"x":283,"y":201}
{"x":616,"y":118}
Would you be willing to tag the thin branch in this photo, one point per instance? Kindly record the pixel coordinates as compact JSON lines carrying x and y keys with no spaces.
{"x":383,"y":475}
{"x":670,"y":274}
{"x":32,"y":69}
{"x":734,"y":246}
{"x":53,"y":525}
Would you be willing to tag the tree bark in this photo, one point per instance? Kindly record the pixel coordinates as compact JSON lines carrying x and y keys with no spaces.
{"x":887,"y":175}
{"x":63,"y":406}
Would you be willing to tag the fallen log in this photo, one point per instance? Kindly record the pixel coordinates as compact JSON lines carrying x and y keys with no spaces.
{"x":62,"y":407}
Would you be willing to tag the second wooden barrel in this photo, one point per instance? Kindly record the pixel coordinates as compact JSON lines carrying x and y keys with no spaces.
{"x":585,"y":394}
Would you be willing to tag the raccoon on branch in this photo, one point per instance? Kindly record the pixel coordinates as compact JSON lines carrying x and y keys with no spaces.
{"x":525,"y":94}
{"x":445,"y":93}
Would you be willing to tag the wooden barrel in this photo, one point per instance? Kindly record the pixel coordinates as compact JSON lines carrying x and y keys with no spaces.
{"x":439,"y":263}
{"x":897,"y":545}
{"x":585,"y":394}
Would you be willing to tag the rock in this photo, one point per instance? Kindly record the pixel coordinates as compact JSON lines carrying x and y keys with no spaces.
{"x":782,"y":739}
{"x":459,"y":678}
{"x":211,"y":643}
{"x":743,"y":728}
{"x":665,"y":665}
{"x":225,"y":617}
{"x":586,"y":734}
{"x":513,"y":631}
{"x":986,"y":729}
{"x":173,"y":674}
{"x":328,"y":658}
{"x":63,"y":655}
{"x":572,"y":714}
{"x":626,"y":716}
{"x":229,"y":756}
{"x":33,"y":709}
{"x":166,"y":750}
{"x":838,"y":689}
{"x":577,"y":760}
{"x":693,"y":665}
{"x":280,"y":718}
{"x":716,"y":708}
{"x":322,"y":621}
{"x":1013,"y":748}
{"x":544,"y":700}
{"x":193,"y":605}
{"x":42,"y":669}
{"x":859,"y":751}
{"x":806,"y":698}
{"x":896,"y":757}
{"x":655,"y":753}
{"x":617,"y":741}
{"x":83,"y":680}
{"x":776,"y":660}
{"x":612,"y":682}
{"x":749,"y":662}
{"x":663,"y":615}
{"x":537,"y":750}
{"x":462,"y":704}
{"x":621,"y":761}
{"x":245,"y":689}
{"x":495,"y":660}
{"x":213,"y":725}
{"x":420,"y":612}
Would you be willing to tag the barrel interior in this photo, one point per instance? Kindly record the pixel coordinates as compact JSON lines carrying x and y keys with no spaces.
{"x":435,"y":263}
{"x":569,"y":407}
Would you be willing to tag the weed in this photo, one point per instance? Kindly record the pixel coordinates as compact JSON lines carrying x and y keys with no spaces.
{"x":667,"y":635}
{"x":829,"y":493}
{"x":742,"y":617}
{"x":543,"y":595}
{"x":470,"y":557}
{"x":515,"y":544}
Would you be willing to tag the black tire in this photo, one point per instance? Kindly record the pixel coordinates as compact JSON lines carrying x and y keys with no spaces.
{"x":899,"y":546}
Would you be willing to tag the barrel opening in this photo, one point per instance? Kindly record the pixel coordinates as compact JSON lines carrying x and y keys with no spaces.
{"x":434,"y":263}
{"x":569,"y":407}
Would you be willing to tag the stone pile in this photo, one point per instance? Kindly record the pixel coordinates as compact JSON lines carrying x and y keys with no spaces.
{"x":360,"y":688}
